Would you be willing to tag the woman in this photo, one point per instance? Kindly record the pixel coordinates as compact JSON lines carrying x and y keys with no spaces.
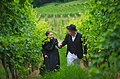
{"x":50,"y":52}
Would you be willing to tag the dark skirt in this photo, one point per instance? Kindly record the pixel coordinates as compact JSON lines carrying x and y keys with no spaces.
{"x":53,"y":61}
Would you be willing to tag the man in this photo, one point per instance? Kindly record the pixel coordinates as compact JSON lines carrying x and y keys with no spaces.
{"x":74,"y":46}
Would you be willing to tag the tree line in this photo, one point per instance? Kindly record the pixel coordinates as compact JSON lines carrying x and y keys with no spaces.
{"x":38,"y":3}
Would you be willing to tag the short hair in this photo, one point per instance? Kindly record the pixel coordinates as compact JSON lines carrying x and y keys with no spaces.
{"x":48,"y":32}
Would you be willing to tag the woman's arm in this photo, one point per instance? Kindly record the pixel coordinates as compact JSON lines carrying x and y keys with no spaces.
{"x":49,"y":46}
{"x":43,"y":51}
{"x":56,"y":43}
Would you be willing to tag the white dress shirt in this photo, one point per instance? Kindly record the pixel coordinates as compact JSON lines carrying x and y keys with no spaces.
{"x":73,"y":37}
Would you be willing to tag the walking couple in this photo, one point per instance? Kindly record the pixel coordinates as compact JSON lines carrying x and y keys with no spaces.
{"x":74,"y":48}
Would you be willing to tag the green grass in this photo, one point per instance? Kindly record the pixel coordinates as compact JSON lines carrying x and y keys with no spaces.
{"x":72,"y":72}
{"x":76,"y":72}
{"x":65,"y":72}
{"x":69,"y":8}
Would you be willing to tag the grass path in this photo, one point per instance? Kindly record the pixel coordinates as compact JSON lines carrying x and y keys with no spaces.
{"x":72,"y":72}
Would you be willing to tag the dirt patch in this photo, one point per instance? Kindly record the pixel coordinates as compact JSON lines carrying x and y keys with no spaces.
{"x":34,"y":75}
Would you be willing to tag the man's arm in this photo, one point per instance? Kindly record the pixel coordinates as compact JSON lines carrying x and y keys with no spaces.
{"x":61,"y":44}
{"x":65,"y":40}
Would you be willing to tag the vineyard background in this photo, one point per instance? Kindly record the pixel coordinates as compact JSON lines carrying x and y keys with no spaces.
{"x":23,"y":29}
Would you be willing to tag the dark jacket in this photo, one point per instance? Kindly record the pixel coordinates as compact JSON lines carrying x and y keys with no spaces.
{"x":49,"y":49}
{"x":74,"y":47}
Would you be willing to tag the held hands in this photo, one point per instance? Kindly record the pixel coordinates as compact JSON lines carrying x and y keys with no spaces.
{"x":60,"y":45}
{"x":46,"y":56}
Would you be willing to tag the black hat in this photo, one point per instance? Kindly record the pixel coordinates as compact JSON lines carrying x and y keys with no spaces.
{"x":71,"y":27}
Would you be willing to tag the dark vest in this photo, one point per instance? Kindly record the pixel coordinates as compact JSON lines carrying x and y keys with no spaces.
{"x":74,"y":46}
